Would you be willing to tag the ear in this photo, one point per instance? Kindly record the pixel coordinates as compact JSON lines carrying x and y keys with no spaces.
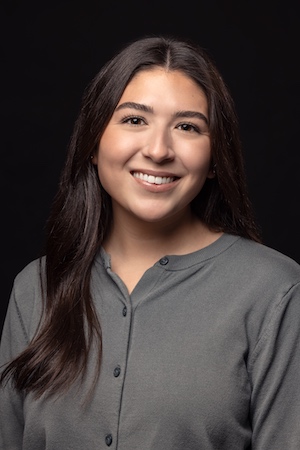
{"x":94,"y":158}
{"x":212,"y":172}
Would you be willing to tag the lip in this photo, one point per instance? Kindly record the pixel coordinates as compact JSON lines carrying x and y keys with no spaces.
{"x":155,"y":173}
{"x":166,"y":180}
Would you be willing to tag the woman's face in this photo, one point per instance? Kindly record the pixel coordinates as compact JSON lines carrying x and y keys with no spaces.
{"x":155,"y":155}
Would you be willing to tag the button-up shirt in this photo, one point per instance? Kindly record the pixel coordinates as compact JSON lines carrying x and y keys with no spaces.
{"x":203,"y":354}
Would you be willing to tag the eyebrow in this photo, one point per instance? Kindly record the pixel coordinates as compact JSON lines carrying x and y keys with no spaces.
{"x":191,"y":114}
{"x":133,"y":105}
{"x":149,"y":109}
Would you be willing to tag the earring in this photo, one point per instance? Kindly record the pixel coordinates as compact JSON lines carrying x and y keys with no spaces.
{"x":92,"y":156}
{"x":214,"y":169}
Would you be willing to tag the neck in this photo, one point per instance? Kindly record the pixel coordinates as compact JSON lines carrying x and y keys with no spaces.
{"x":135,"y":245}
{"x":132,"y":238}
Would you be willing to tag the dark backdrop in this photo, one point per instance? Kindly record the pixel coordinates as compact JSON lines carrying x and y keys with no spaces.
{"x":51,"y":50}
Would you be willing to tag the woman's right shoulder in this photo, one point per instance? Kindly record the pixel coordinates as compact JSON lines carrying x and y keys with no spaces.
{"x":29,"y":278}
{"x":25,"y":303}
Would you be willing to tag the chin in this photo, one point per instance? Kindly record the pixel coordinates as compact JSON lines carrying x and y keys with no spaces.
{"x":158,"y":217}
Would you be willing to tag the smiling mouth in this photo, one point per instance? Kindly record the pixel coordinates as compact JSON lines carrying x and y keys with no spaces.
{"x":152,"y":179}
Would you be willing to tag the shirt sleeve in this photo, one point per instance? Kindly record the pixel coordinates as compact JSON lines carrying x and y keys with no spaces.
{"x":275,"y":375}
{"x":13,"y":341}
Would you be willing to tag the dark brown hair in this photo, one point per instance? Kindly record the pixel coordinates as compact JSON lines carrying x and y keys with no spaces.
{"x":81,"y":211}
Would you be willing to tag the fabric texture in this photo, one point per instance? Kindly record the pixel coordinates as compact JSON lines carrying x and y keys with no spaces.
{"x":204,"y":354}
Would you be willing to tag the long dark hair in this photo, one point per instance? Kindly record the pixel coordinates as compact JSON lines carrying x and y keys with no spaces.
{"x":81,"y":212}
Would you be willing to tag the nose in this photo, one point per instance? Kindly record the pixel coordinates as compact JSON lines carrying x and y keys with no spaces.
{"x":159,"y":147}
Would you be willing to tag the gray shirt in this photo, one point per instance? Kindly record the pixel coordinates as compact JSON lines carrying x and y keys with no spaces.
{"x":204,"y":354}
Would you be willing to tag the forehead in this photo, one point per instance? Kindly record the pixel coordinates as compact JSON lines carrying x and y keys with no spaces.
{"x":162,"y":85}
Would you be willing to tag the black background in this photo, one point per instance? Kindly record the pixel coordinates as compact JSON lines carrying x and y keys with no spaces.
{"x":50,"y":51}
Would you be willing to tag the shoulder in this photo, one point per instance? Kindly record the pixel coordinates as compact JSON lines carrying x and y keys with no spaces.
{"x":252,"y":263}
{"x":28,"y":278}
{"x":25,"y":303}
{"x":267,"y":257}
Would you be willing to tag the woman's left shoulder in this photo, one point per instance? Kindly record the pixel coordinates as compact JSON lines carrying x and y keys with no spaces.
{"x":266,"y":258}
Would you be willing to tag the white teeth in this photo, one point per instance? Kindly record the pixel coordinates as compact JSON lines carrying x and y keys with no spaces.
{"x":153,"y":180}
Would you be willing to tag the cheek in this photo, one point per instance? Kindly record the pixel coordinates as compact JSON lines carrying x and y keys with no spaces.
{"x":198,"y":160}
{"x":105,"y":170}
{"x":110,"y":164}
{"x":115,"y":148}
{"x":108,"y":142}
{"x":103,"y":163}
{"x":106,"y":155}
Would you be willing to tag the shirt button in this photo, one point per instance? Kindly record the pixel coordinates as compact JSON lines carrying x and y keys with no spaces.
{"x":124,"y":311}
{"x":117,"y":371}
{"x":108,"y":440}
{"x":163,"y":261}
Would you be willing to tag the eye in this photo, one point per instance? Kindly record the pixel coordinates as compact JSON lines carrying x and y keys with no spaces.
{"x":189,"y":127}
{"x":133,"y":120}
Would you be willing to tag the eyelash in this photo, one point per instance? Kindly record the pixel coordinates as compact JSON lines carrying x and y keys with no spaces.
{"x":131,"y":118}
{"x":191,"y":127}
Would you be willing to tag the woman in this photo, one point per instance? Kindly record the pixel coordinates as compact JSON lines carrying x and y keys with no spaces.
{"x":156,"y":319}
